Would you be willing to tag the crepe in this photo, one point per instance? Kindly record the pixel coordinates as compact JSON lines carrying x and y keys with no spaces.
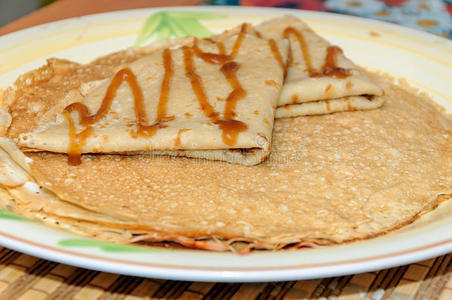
{"x":350,"y":176}
{"x":214,"y":100}
{"x":90,"y":76}
{"x":319,"y":78}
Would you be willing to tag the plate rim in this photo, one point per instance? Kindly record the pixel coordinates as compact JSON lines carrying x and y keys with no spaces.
{"x":225,"y":274}
{"x":244,"y":9}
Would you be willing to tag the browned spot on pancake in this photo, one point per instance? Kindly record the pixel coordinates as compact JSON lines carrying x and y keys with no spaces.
{"x":256,"y":112}
{"x":177,"y":141}
{"x":294,"y":98}
{"x":272,"y":83}
{"x":328,"y":88}
{"x":188,"y":115}
{"x":98,"y":149}
{"x":219,"y":98}
{"x":328,"y":106}
{"x":114,"y":115}
{"x":349,"y":85}
{"x":374,"y":34}
{"x":266,"y":121}
{"x":133,"y":133}
{"x":349,"y":104}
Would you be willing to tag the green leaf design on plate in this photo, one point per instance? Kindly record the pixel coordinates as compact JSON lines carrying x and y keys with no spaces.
{"x":4,"y":214}
{"x":106,"y":246}
{"x":167,"y":24}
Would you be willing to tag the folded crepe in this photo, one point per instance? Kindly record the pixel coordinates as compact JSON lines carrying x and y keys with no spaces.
{"x":319,"y":78}
{"x":214,"y":100}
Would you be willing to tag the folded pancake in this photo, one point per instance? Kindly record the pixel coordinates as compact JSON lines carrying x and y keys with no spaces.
{"x":212,"y":100}
{"x":349,"y":176}
{"x":38,"y":95}
{"x":319,"y":78}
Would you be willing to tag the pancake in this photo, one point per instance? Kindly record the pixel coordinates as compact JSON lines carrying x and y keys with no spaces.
{"x":319,"y":78}
{"x":350,"y":176}
{"x":39,"y":94}
{"x":208,"y":104}
{"x":70,"y":81}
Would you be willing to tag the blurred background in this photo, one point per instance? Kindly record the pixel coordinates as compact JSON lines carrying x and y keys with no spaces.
{"x":434,"y":16}
{"x":11,"y":10}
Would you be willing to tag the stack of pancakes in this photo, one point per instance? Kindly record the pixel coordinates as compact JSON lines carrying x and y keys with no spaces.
{"x":228,"y":143}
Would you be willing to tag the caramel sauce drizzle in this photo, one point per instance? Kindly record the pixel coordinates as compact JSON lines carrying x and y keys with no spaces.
{"x":162,"y":117}
{"x":165,"y":88}
{"x":76,"y":140}
{"x":196,"y":84}
{"x":123,"y":75}
{"x":228,"y":124}
{"x":277,"y":55}
{"x":303,"y":47}
{"x":230,"y":127}
{"x":212,"y":58}
{"x":238,"y":41}
{"x":221,"y":48}
{"x":329,"y":68}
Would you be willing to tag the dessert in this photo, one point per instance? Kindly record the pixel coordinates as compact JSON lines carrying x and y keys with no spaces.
{"x":329,"y":179}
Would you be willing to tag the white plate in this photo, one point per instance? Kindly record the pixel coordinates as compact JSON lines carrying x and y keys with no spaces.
{"x":423,"y":59}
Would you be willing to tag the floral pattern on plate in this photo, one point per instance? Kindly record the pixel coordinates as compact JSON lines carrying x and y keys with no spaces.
{"x":434,"y":16}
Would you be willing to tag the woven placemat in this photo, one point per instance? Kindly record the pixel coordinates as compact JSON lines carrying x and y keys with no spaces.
{"x":27,"y":277}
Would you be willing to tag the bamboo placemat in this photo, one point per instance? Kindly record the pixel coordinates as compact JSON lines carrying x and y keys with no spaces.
{"x":26,"y":277}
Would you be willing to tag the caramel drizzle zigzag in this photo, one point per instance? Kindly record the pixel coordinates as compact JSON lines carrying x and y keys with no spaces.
{"x":329,"y":67}
{"x":229,"y":126}
{"x":124,"y":75}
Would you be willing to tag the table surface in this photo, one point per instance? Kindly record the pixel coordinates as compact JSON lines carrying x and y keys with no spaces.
{"x":26,"y":277}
